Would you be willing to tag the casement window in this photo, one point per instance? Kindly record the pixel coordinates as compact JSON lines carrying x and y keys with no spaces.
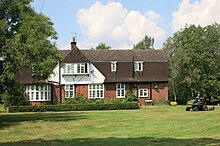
{"x":138,"y":66}
{"x":120,"y":89}
{"x":38,"y":92}
{"x":69,"y":91}
{"x":96,"y":91}
{"x":143,"y":92}
{"x":81,"y":68}
{"x":113,"y":66}
{"x":75,"y":68}
{"x":69,"y":68}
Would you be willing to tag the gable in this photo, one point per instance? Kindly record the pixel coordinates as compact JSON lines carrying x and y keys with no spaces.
{"x":75,"y":56}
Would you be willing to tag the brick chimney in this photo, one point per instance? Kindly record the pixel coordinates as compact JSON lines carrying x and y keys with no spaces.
{"x":73,"y":43}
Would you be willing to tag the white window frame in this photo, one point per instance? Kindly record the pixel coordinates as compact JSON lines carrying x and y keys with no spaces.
{"x":139,"y":65}
{"x":113,"y":66}
{"x":69,"y":88}
{"x":143,"y":92}
{"x":68,"y":68}
{"x":120,"y":90}
{"x":96,"y":91}
{"x":38,"y":92}
{"x":81,"y":68}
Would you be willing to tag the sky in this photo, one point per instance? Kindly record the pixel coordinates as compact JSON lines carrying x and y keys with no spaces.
{"x":123,"y":23}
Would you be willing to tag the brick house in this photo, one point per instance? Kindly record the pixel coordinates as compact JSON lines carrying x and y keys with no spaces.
{"x":102,"y":74}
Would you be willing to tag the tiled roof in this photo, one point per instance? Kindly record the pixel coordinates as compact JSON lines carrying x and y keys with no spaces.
{"x":122,"y":55}
{"x":155,"y":64}
{"x":125,"y":55}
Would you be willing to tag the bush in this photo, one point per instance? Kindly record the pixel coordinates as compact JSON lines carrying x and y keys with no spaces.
{"x":75,"y":107}
{"x":131,"y":97}
{"x":75,"y":100}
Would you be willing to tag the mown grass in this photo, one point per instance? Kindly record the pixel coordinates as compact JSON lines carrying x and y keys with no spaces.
{"x":157,"y":125}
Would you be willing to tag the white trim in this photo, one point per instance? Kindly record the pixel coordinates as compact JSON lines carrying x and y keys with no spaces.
{"x":75,"y":69}
{"x":144,"y":92}
{"x":38,"y":92}
{"x":138,"y":65}
{"x":69,"y":90}
{"x":96,"y":91}
{"x":120,"y":90}
{"x":113,"y":66}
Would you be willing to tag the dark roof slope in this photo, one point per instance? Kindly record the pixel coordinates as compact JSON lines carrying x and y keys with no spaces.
{"x":125,"y":55}
{"x":155,"y":64}
{"x":75,"y":56}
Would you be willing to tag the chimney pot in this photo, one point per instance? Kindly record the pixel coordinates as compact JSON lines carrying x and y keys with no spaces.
{"x":73,"y":43}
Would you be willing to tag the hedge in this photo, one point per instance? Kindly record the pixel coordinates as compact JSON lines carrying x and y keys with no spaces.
{"x":75,"y":107}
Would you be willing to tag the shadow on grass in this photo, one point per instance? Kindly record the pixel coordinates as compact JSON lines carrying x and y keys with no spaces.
{"x":149,"y":141}
{"x":7,"y":120}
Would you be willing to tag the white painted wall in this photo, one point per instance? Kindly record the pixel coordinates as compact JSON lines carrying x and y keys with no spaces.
{"x":54,"y":77}
{"x":94,"y":76}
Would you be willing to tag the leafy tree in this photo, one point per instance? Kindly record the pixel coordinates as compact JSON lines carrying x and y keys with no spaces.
{"x":194,"y":55}
{"x":26,"y":39}
{"x":102,"y":46}
{"x":145,"y":43}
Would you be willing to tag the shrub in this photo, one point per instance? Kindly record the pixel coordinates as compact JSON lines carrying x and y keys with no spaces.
{"x":75,"y":100}
{"x":131,"y":97}
{"x":75,"y":107}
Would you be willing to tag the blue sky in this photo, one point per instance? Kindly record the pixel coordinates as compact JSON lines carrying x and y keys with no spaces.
{"x":122,"y":23}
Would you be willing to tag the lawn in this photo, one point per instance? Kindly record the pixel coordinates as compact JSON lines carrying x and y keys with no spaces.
{"x":156,"y":125}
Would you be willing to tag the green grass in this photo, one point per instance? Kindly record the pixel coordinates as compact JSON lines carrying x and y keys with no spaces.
{"x":157,"y":125}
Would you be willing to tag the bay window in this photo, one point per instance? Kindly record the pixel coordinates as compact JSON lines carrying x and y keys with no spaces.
{"x":38,"y":92}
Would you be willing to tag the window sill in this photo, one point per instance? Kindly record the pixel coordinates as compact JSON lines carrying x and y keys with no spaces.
{"x":38,"y":100}
{"x":75,"y":74}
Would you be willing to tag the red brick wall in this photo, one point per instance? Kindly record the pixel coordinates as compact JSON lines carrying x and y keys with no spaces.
{"x":38,"y":103}
{"x":56,"y":94}
{"x":81,"y":90}
{"x":110,"y":91}
{"x":143,"y":86}
{"x":161,"y":92}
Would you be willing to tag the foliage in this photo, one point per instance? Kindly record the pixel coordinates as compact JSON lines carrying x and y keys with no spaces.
{"x":102,"y":46}
{"x":160,"y":102}
{"x":76,"y":100}
{"x":82,"y":100}
{"x":145,"y":43}
{"x":131,"y":97}
{"x":194,"y":56}
{"x":26,"y":40}
{"x":75,"y":107}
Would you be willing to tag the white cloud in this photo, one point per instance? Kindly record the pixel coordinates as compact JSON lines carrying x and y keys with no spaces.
{"x":118,"y":27}
{"x":201,"y":12}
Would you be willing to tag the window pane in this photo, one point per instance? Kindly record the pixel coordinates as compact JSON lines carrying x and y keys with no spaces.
{"x":32,"y":95}
{"x":96,"y":91}
{"x":78,"y":68}
{"x":42,"y":95}
{"x":67,"y":93}
{"x":71,"y":93}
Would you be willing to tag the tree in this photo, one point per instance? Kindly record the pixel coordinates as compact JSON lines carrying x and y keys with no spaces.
{"x":194,"y":55}
{"x":102,"y":46}
{"x":145,"y":43}
{"x":26,"y":40}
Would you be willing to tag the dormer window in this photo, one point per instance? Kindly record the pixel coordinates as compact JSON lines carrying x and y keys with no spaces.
{"x":113,"y":66}
{"x":138,"y":65}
